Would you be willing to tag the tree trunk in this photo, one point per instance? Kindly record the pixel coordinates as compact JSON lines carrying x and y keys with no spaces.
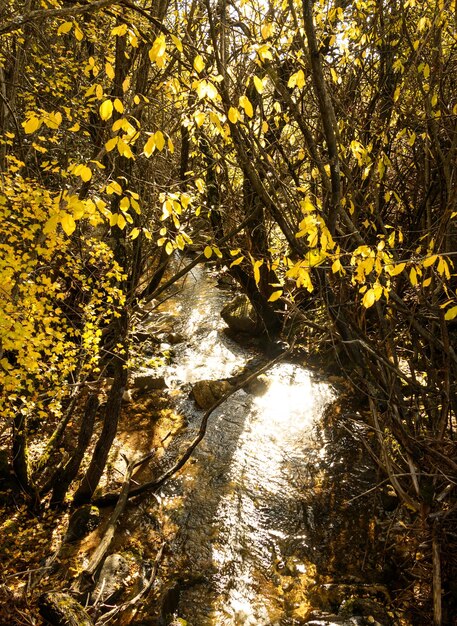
{"x":65,"y":476}
{"x":112,"y":412}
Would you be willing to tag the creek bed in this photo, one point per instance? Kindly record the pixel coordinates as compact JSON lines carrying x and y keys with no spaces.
{"x":245,"y":549}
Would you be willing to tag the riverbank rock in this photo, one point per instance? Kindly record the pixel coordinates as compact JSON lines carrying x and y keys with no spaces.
{"x":111,"y":581}
{"x":207,"y":392}
{"x":240,"y":316}
{"x":83,"y":521}
{"x":147,"y":382}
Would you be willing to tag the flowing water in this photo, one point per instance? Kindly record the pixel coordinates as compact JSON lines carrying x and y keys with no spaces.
{"x":242,"y":541}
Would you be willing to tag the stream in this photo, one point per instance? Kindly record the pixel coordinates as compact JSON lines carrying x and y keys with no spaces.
{"x":247,"y":540}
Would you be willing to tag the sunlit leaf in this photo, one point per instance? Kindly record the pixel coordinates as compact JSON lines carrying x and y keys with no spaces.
{"x":258,"y":84}
{"x":369,"y":298}
{"x":65,"y":28}
{"x":68,"y":223}
{"x":451,"y":313}
{"x":106,"y":110}
{"x":275,"y":295}
{"x":199,"y":64}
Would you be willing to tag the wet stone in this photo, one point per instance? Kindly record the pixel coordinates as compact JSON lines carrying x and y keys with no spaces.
{"x":207,"y":392}
{"x":112,"y":577}
{"x":148,"y":382}
{"x":239,"y":315}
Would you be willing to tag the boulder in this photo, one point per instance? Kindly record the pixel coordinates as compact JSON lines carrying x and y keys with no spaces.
{"x":370,"y":608}
{"x":207,"y":392}
{"x":258,"y":386}
{"x":83,"y":521}
{"x":111,"y":583}
{"x":240,"y":316}
{"x":148,"y":382}
{"x":175,"y":338}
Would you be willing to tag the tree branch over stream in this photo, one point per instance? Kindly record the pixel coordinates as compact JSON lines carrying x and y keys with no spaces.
{"x":110,"y":498}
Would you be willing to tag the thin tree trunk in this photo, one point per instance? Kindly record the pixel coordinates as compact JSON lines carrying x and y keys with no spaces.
{"x":112,"y":412}
{"x":63,"y":478}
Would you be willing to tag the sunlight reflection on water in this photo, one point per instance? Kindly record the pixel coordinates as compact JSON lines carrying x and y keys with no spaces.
{"x":277,"y":428}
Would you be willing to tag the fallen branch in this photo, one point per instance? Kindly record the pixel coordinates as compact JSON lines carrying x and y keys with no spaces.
{"x":103,"y":546}
{"x":153,"y":485}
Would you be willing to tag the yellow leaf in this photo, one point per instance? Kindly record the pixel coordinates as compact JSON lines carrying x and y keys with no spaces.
{"x":78,"y":32}
{"x":75,"y":127}
{"x":233,"y":115}
{"x":124,"y":149}
{"x":126,"y":84}
{"x":264,"y":52}
{"x":53,"y":120}
{"x":158,"y":49}
{"x":119,"y":30}
{"x":237,"y":261}
{"x":114,"y":187}
{"x":106,"y":109}
{"x":171,"y":146}
{"x":257,"y":266}
{"x":109,"y":70}
{"x":64,"y":28}
{"x":413,"y":276}
{"x":217,"y":252}
{"x":159,"y":140}
{"x":208,"y":251}
{"x":451,"y":313}
{"x":394,"y":271}
{"x":31,"y":125}
{"x":266,"y":30}
{"x":369,"y":298}
{"x":430,"y":260}
{"x":177,"y":43}
{"x":275,"y":295}
{"x":211,"y":91}
{"x":199,"y":118}
{"x":443,"y":268}
{"x":258,"y":84}
{"x":118,"y":105}
{"x":199,"y":64}
{"x":68,"y":223}
{"x":85,"y":173}
{"x":336,"y":266}
{"x":377,"y":289}
{"x":149,"y":146}
{"x":247,"y":106}
{"x":426,"y":70}
{"x":169,"y":248}
{"x":180,"y":242}
{"x":111,"y":144}
{"x":121,"y":222}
